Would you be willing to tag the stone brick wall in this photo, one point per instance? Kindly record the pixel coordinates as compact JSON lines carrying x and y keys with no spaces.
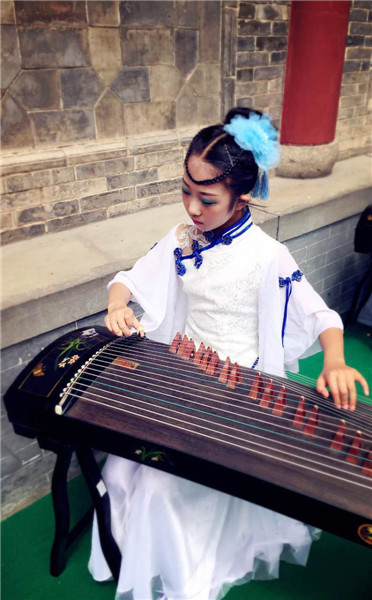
{"x":98,"y":70}
{"x":261,"y":47}
{"x":100,"y":98}
{"x":80,"y":82}
{"x":53,"y":191}
{"x":261,"y":55}
{"x":355,"y":109}
{"x":325,"y":255}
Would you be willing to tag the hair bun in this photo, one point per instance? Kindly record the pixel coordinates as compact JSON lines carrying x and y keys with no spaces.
{"x":242,"y":111}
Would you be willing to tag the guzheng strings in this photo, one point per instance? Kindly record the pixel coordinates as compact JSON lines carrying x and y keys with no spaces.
{"x":212,"y":411}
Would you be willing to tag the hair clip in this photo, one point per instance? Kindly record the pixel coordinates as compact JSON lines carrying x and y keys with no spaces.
{"x":229,"y":155}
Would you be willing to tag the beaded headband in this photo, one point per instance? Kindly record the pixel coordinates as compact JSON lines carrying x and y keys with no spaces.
{"x":218,"y":178}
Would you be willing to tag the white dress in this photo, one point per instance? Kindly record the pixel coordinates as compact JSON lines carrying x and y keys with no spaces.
{"x":181,"y":540}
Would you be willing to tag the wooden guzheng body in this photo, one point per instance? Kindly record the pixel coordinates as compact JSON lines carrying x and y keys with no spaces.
{"x":271,"y":441}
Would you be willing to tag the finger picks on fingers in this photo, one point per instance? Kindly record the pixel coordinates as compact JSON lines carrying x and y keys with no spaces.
{"x":140,"y":331}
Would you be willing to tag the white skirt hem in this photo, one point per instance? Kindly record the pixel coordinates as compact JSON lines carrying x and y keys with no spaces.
{"x":183,"y":541}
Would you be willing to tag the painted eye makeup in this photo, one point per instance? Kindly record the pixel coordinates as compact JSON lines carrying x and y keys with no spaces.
{"x":207,"y":202}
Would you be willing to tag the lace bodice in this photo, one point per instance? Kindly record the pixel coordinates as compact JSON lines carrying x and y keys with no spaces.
{"x":186,"y":235}
{"x":223,"y":294}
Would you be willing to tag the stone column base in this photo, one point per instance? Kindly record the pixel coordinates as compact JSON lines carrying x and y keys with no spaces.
{"x":306,"y":162}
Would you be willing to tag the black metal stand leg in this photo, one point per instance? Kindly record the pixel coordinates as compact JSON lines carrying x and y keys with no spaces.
{"x":101,"y":503}
{"x":358,"y":302}
{"x":61,"y":510}
{"x":366,"y":294}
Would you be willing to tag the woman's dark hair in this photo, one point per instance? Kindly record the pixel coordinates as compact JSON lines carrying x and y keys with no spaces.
{"x":217,"y":147}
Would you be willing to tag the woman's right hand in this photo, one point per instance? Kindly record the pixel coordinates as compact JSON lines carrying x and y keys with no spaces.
{"x":119,"y":320}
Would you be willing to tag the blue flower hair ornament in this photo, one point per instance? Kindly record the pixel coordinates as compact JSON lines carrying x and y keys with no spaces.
{"x":257,"y":134}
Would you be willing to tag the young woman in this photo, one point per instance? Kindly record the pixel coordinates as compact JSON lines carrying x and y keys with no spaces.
{"x":222,"y":281}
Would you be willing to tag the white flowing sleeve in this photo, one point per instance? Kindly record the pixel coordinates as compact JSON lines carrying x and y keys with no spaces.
{"x":154,"y":284}
{"x":307,"y":314}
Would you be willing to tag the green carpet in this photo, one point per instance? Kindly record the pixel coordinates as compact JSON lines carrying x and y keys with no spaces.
{"x":337,"y":569}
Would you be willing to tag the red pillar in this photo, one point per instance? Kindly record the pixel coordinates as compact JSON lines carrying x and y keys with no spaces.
{"x":316,"y":48}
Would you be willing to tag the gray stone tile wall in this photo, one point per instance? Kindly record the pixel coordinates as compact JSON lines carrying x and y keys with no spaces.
{"x":327,"y":258}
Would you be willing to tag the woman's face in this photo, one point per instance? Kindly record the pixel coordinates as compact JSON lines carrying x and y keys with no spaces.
{"x":209,"y":206}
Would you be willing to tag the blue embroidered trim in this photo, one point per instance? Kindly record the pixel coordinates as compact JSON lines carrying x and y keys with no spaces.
{"x":255,"y":363}
{"x":226,"y":237}
{"x":287,"y":283}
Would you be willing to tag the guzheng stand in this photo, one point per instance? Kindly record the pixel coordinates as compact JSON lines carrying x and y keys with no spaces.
{"x":63,"y":536}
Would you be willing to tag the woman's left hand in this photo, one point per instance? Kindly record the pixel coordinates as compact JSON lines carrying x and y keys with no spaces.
{"x":341,"y":382}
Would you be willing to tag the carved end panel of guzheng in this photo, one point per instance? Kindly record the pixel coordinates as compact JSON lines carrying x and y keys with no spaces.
{"x":275,"y":437}
{"x":36,"y":390}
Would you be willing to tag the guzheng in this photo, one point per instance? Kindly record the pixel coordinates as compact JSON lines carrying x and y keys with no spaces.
{"x":181,"y":409}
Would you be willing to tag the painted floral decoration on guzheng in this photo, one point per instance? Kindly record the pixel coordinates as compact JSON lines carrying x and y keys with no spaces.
{"x":39,"y":370}
{"x":74,"y":345}
{"x":149,"y":457}
{"x":68,"y":361}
